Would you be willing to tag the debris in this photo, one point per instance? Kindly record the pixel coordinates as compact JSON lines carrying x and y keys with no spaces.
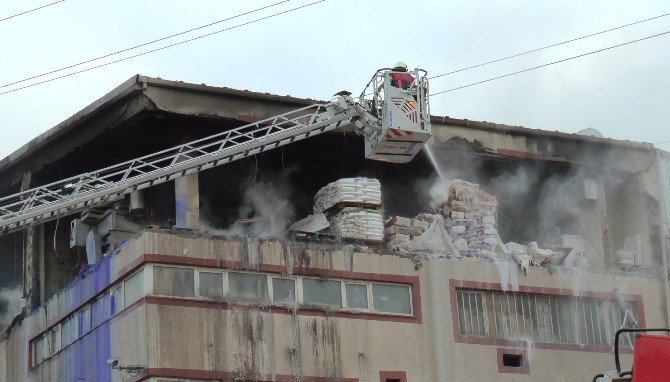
{"x":397,"y":229}
{"x":538,"y":255}
{"x":434,"y":241}
{"x":396,"y":239}
{"x":310,"y":224}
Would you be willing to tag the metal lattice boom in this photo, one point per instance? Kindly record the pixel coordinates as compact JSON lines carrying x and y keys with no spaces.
{"x":97,"y":188}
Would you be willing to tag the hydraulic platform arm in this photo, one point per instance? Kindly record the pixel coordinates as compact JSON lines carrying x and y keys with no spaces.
{"x":106,"y":185}
{"x":389,"y":137}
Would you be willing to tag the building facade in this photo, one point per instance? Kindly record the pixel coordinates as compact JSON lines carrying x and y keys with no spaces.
{"x":182,"y":295}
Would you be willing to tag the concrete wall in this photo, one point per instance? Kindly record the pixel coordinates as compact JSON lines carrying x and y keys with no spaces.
{"x":185,"y":338}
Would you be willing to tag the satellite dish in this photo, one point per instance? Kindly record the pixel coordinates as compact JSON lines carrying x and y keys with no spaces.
{"x":590,"y":132}
{"x":93,"y":247}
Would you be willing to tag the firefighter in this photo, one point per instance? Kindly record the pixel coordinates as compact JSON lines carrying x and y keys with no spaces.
{"x":400,"y":78}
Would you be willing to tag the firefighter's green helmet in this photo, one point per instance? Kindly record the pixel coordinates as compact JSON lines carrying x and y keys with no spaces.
{"x":400,"y":65}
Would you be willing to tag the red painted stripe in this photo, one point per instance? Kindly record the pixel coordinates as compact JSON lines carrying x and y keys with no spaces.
{"x":396,"y":132}
{"x":388,"y":136}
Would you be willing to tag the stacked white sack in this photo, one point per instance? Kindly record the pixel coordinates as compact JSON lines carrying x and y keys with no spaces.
{"x":348,"y":190}
{"x":357,"y":223}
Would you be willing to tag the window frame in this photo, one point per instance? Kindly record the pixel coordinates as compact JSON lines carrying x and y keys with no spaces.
{"x":409,"y":291}
{"x":271,"y":297}
{"x":368,"y":292}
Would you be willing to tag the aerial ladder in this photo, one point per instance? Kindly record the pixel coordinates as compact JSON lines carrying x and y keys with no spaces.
{"x":394,"y":121}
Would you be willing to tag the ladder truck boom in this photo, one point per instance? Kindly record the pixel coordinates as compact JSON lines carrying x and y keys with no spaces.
{"x":389,"y":137}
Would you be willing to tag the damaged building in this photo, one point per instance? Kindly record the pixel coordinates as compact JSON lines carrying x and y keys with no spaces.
{"x":498,"y":253}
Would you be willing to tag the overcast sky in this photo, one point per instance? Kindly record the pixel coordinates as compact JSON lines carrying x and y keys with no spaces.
{"x":335,"y":45}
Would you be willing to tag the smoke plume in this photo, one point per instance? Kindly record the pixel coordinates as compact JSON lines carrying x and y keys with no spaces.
{"x":11,"y":303}
{"x":266,"y":211}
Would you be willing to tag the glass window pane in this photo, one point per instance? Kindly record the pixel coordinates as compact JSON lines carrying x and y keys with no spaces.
{"x":170,"y":281}
{"x":357,"y":296}
{"x":391,"y":298}
{"x":211,"y":285}
{"x":283,"y":290}
{"x":322,"y":292}
{"x":84,"y":321}
{"x":100,"y":310}
{"x":134,"y":288}
{"x":69,"y":330}
{"x":116,"y":301}
{"x":55,"y":340}
{"x":247,"y":287}
{"x":40,"y":350}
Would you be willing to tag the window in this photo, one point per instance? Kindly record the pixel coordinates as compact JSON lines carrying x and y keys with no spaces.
{"x":134,"y":288}
{"x":170,"y":281}
{"x":322,"y":292}
{"x":116,"y":301}
{"x":55,"y":340}
{"x":283,"y":290}
{"x":393,"y":376}
{"x":512,"y":360}
{"x":391,"y":298}
{"x":40,"y":350}
{"x":471,"y":308}
{"x":69,"y":330}
{"x":100,"y":310}
{"x":357,"y":296}
{"x":84,"y":321}
{"x":211,"y":285}
{"x":543,"y":318}
{"x":247,"y":287}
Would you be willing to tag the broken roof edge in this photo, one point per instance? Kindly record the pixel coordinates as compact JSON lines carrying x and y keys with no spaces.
{"x":139,"y":83}
{"x":129,"y":86}
{"x":521,"y":130}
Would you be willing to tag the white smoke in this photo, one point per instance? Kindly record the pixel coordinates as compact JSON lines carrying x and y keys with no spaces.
{"x":266,"y":211}
{"x":11,"y":303}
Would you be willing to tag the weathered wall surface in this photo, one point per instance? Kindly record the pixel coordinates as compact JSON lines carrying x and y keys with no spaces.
{"x":228,"y":339}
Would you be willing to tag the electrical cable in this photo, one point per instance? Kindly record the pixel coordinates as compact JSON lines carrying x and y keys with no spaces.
{"x":31,"y":10}
{"x":547,"y":64}
{"x":162,"y":48}
{"x":141,"y":45}
{"x":548,"y":46}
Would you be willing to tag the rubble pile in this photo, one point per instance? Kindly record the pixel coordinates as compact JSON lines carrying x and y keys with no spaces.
{"x":470,"y":217}
{"x":401,"y":230}
{"x":353,"y":208}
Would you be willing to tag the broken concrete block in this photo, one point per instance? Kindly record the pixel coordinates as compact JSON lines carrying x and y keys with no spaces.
{"x":538,"y":255}
{"x":412,"y":231}
{"x":421,"y":224}
{"x":461,"y":244}
{"x":399,"y":221}
{"x":426,"y":217}
{"x":396,"y":239}
{"x":458,"y":215}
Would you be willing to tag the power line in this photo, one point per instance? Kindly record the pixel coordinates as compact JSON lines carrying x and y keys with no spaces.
{"x":549,"y":46}
{"x":550,"y":63}
{"x":140,"y":45}
{"x":163,"y":47}
{"x":31,"y":10}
